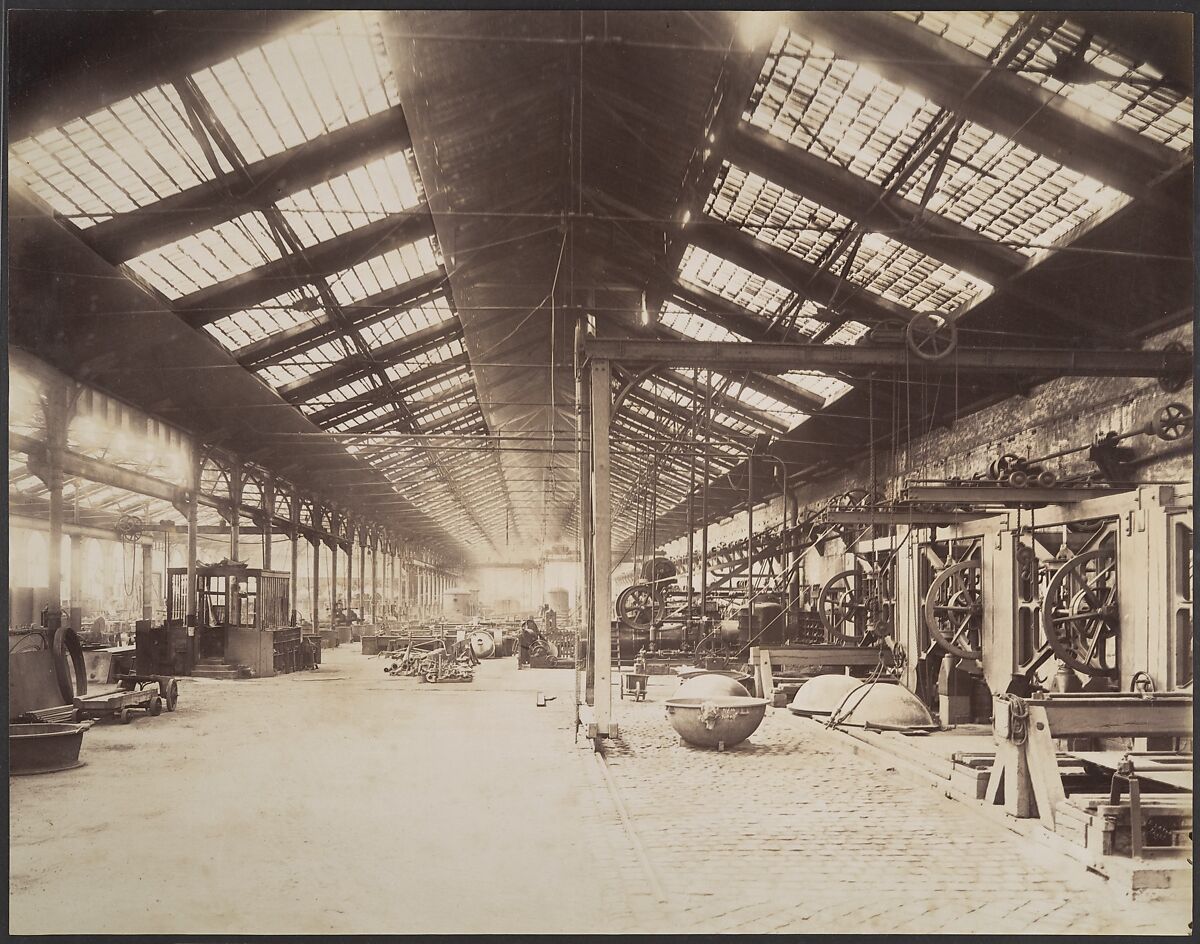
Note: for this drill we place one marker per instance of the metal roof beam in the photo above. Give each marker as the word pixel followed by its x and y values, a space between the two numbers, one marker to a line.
pixel 1000 100
pixel 333 255
pixel 730 355
pixel 332 377
pixel 795 274
pixel 361 314
pixel 264 182
pixel 859 199
pixel 353 406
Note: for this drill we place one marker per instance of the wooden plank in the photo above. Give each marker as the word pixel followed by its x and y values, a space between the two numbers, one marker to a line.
pixel 768 681
pixel 1110 716
pixel 1043 765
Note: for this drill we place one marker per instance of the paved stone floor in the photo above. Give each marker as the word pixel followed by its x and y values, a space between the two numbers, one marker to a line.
pixel 346 801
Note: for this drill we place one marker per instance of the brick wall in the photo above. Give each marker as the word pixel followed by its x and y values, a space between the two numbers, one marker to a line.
pixel 1069 411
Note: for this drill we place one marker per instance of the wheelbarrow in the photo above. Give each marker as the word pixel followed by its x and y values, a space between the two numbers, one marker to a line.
pixel 634 684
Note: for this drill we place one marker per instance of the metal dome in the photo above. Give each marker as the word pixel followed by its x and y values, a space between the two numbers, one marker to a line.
pixel 822 693
pixel 885 705
pixel 709 684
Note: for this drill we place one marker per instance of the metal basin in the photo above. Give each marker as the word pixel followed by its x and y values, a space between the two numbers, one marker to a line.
pixel 43 748
pixel 822 693
pixel 884 706
pixel 705 684
pixel 718 721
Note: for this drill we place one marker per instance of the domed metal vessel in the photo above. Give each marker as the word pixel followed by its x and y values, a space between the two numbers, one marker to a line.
pixel 821 694
pixel 887 706
pixel 711 683
pixel 718 721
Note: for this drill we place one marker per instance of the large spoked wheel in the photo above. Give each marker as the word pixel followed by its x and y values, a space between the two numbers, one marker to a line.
pixel 1172 422
pixel 842 606
pixel 954 610
pixel 931 337
pixel 638 607
pixel 1079 613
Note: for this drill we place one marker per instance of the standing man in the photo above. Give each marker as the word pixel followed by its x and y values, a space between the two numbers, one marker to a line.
pixel 529 635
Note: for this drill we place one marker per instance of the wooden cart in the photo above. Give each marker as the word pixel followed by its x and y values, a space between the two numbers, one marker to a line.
pixel 137 693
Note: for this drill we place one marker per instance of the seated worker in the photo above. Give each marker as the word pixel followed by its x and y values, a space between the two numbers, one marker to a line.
pixel 529 635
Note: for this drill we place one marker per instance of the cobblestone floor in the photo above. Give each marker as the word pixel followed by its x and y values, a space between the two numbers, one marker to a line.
pixel 788 832
pixel 346 801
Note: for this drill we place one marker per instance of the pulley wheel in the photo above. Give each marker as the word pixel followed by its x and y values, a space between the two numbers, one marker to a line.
pixel 1172 422
pixel 1001 468
pixel 931 337
pixel 841 604
pixel 1079 612
pixel 638 607
pixel 953 610
pixel 1174 382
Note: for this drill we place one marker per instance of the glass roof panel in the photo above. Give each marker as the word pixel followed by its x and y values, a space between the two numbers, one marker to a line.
pixel 437 355
pixel 353 388
pixel 346 202
pixel 846 113
pixel 436 311
pixel 128 155
pixel 1116 87
pixel 385 271
pixel 743 287
pixel 821 385
pixel 290 310
pixel 210 256
pixel 806 229
pixel 302 85
pixel 694 325
pixel 303 364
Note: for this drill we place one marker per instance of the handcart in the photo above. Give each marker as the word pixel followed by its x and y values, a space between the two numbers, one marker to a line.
pixel 148 693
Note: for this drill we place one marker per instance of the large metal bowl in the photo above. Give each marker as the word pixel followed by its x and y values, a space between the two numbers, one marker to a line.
pixel 43 748
pixel 718 721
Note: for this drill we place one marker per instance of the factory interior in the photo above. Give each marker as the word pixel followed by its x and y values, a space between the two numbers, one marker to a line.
pixel 599 471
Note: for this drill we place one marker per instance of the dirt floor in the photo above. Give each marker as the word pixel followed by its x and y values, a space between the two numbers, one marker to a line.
pixel 348 801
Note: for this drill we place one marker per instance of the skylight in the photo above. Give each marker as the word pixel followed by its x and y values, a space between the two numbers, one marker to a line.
pixel 385 271
pixel 742 287
pixel 290 310
pixel 302 364
pixel 400 325
pixel 128 155
pixel 213 255
pixel 846 113
pixel 806 229
pixel 1132 96
pixel 302 85
pixel 351 200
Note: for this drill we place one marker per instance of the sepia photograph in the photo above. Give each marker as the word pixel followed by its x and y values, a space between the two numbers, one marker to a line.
pixel 598 471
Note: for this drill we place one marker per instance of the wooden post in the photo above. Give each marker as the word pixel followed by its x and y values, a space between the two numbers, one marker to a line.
pixel 335 527
pixel 316 583
pixel 76 591
pixel 235 507
pixel 362 574
pixel 586 601
pixel 374 581
pixel 601 405
pixel 147 582
pixel 295 557
pixel 193 593
pixel 268 528
pixel 350 573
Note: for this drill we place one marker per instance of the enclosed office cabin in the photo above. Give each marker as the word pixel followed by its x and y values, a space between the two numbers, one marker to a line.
pixel 243 616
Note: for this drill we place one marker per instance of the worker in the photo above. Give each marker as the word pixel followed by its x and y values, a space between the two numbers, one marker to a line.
pixel 529 635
